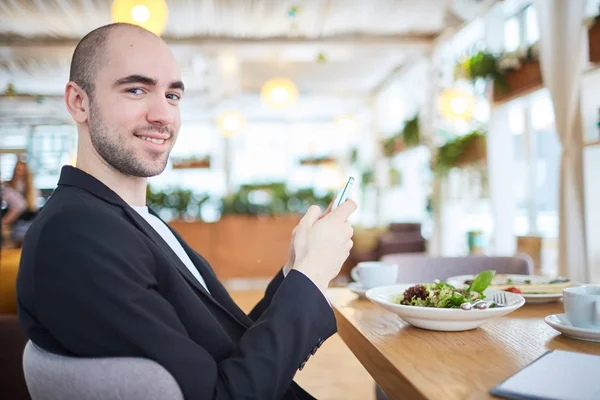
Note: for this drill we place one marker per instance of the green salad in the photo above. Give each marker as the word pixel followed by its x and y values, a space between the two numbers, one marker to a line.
pixel 443 295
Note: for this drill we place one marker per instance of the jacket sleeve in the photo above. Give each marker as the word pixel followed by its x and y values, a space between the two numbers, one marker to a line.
pixel 262 305
pixel 99 273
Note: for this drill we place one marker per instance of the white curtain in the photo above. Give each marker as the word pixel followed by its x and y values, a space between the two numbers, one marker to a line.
pixel 561 56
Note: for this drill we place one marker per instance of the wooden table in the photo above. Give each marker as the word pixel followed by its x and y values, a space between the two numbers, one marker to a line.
pixel 412 363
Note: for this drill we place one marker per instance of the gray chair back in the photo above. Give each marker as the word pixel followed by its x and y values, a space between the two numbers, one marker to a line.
pixel 417 268
pixel 50 376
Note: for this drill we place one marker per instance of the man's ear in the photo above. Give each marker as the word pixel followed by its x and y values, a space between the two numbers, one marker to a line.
pixel 77 102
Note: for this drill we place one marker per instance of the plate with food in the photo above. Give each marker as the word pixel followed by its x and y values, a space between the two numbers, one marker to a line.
pixel 533 288
pixel 439 306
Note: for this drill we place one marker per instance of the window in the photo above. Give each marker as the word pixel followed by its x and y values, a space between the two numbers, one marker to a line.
pixel 532 33
pixel 521 30
pixel 537 158
pixel 512 34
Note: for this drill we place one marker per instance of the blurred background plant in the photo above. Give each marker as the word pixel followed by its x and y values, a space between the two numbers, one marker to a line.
pixel 269 199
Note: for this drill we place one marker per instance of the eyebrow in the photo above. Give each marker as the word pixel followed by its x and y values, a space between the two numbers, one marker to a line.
pixel 145 80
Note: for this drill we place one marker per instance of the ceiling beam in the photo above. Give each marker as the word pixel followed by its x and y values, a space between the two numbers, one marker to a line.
pixel 405 40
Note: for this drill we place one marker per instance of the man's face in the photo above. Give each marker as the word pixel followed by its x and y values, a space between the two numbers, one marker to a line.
pixel 134 112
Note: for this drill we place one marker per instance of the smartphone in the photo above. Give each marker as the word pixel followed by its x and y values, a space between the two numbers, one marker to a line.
pixel 343 195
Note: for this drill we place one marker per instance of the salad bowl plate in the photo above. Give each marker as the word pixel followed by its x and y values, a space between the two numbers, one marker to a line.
pixel 441 319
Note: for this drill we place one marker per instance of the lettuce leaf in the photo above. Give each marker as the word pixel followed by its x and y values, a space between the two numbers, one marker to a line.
pixel 482 281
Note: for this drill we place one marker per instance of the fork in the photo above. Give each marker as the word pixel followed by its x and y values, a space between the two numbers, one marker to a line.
pixel 499 299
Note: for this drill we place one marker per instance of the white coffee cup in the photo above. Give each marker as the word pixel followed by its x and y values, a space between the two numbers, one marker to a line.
pixel 374 273
pixel 582 306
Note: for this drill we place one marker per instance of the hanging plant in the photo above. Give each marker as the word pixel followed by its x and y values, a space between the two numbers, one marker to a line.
pixel 410 134
pixel 322 160
pixel 408 137
pixel 488 66
pixel 367 177
pixel 393 145
pixel 191 162
pixel 459 152
pixel 481 65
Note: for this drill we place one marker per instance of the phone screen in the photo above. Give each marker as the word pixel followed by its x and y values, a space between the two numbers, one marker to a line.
pixel 343 195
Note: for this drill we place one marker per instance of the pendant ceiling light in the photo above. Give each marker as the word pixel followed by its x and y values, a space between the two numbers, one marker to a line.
pixel 457 104
pixel 230 123
pixel 149 14
pixel 279 93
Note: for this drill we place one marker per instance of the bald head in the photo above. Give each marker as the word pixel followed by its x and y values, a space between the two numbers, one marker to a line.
pixel 91 54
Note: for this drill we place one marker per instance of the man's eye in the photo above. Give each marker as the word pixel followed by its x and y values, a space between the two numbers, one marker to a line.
pixel 135 91
pixel 173 96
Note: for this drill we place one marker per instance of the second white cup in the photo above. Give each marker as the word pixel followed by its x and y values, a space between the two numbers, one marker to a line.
pixel 371 274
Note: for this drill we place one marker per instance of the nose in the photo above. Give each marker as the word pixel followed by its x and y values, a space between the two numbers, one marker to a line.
pixel 161 112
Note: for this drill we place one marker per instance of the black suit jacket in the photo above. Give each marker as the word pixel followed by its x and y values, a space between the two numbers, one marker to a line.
pixel 97 280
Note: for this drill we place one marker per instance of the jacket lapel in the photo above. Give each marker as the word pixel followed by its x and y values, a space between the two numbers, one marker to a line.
pixel 149 231
pixel 218 291
pixel 215 295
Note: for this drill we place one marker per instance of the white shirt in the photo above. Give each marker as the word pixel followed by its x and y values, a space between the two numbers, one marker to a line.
pixel 163 230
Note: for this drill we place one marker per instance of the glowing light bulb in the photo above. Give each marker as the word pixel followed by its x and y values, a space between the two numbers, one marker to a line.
pixel 140 13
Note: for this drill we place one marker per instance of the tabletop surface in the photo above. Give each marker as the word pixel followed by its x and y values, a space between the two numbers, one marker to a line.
pixel 413 363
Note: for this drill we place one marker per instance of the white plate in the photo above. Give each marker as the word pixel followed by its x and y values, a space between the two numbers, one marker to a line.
pixel 357 288
pixel 562 324
pixel 459 282
pixel 441 319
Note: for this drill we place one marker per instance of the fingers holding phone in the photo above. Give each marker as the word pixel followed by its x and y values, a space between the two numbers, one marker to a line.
pixel 323 241
pixel 343 195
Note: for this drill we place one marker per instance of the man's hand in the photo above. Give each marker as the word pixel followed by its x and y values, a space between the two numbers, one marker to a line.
pixel 322 243
pixel 292 254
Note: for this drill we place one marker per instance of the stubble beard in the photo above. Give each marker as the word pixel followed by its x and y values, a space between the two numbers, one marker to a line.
pixel 115 151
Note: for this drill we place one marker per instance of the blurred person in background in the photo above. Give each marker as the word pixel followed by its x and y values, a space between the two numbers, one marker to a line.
pixel 21 198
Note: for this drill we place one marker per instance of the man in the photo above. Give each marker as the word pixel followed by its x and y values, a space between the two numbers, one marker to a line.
pixel 101 275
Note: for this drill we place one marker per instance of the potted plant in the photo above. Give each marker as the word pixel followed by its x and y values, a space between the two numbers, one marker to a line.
pixel 393 145
pixel 317 160
pixel 513 74
pixel 179 203
pixel 191 162
pixel 411 135
pixel 408 137
pixel 461 151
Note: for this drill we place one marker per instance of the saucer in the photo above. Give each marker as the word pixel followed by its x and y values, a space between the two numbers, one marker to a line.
pixel 562 324
pixel 358 289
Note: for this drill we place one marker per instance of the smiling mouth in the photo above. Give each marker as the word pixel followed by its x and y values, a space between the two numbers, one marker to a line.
pixel 153 140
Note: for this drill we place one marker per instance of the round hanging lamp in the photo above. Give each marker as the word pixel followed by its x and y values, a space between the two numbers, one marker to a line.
pixel 279 93
pixel 148 14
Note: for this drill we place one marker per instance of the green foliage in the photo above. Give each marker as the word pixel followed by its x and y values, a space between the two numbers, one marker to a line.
pixel 483 65
pixel 482 281
pixel 410 134
pixel 389 145
pixel 261 199
pixel 272 199
pixel 182 202
pixel 449 154
pixel 367 177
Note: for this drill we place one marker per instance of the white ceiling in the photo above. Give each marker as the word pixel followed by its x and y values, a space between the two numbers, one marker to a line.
pixel 233 18
pixel 228 48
